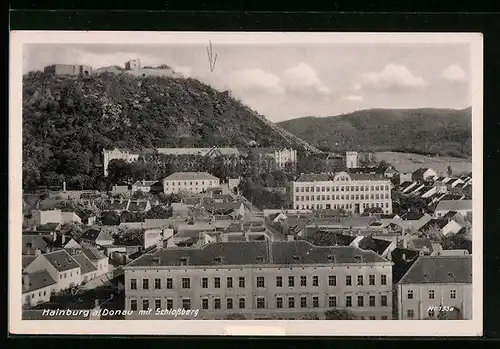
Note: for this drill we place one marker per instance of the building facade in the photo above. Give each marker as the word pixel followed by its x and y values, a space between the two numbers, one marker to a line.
pixel 191 182
pixel 68 69
pixel 260 280
pixel 434 285
pixel 118 154
pixel 348 191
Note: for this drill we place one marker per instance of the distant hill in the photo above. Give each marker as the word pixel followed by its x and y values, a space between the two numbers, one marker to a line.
pixel 67 121
pixel 426 131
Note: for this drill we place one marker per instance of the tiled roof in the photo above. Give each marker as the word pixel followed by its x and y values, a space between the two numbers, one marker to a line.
pixel 420 244
pixel 439 223
pixel 454 205
pixel 92 253
pixel 323 177
pixel 189 176
pixel 33 242
pixel 440 270
pixel 85 263
pixel 420 171
pixel 61 260
pixel 412 216
pixel 256 252
pixel 37 280
pixel 135 206
pixel 376 245
pixel 144 184
pixel 91 234
pixel 27 259
pixel 48 227
pixel 115 205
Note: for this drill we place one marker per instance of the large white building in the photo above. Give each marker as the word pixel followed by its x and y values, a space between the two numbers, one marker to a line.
pixel 192 182
pixel 260 280
pixel 353 192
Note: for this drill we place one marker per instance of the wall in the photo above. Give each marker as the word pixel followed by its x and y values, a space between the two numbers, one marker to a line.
pixel 68 278
pixel 269 292
pixel 192 186
pixel 152 236
pixel 41 295
pixel 44 217
pixel 421 302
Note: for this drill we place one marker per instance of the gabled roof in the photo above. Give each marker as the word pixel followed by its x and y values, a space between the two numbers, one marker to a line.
pixel 144 184
pixel 114 205
pixel 420 171
pixel 32 243
pixel 38 280
pixel 412 216
pixel 454 205
pixel 436 222
pixel 376 245
pixel 135 206
pixel 92 253
pixel 257 252
pixel 85 263
pixel 420 244
pixel 61 260
pixel 95 234
pixel 48 227
pixel 27 259
pixel 440 270
pixel 190 176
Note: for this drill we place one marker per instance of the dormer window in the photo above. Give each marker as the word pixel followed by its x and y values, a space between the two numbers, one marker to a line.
pixel 358 257
pixel 260 259
pixel 330 258
pixel 296 258
pixel 156 260
pixel 218 260
pixel 450 274
pixel 184 261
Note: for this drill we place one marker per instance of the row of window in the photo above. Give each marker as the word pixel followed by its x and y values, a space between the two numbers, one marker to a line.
pixel 341 197
pixel 260 282
pixel 343 206
pixel 410 313
pixel 341 188
pixel 190 183
pixel 65 275
pixel 431 294
pixel 261 302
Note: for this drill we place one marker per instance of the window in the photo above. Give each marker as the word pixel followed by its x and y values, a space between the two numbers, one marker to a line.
pixel 303 281
pixel 371 279
pixel 145 304
pixel 360 280
pixel 170 283
pixel 170 304
pixel 291 302
pixel 229 282
pixel 291 281
pixel 217 282
pixel 279 302
pixel 133 304
pixel 186 283
pixel 315 281
pixel 431 313
pixel 217 303
pixel 229 303
pixel 410 294
pixel 383 279
pixel 261 303
pixel 157 284
pixel 315 302
pixel 279 281
pixel 242 281
pixel 372 301
pixel 431 294
pixel 186 303
pixel 348 301
pixel 157 303
pixel 204 282
pixel 410 313
pixel 372 318
pixel 332 280
pixel 332 302
pixel 260 281
pixel 453 294
pixel 133 284
pixel 145 284
pixel 383 300
pixel 361 301
pixel 348 280
pixel 383 317
pixel 204 303
pixel 242 303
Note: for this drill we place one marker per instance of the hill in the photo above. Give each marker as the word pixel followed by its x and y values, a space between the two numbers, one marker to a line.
pixel 422 131
pixel 67 121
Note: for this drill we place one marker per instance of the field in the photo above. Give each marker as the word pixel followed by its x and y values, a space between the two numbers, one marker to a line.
pixel 407 162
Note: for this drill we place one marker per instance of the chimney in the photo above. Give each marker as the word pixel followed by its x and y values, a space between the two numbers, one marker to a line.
pixel 143 182
pixel 63 239
pixel 26 280
pixel 64 186
pixel 38 252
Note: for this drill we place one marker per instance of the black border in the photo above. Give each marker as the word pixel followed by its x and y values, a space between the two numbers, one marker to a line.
pixel 38 18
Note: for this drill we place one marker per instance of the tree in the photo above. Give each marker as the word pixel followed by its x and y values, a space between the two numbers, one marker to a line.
pixel 456 241
pixel 449 171
pixel 110 218
pixel 454 314
pixel 71 229
pixel 119 171
pixel 339 314
pixel 158 212
pixel 128 216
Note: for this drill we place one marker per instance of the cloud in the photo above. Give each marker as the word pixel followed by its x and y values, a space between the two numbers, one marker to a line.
pixel 392 76
pixel 255 80
pixel 454 73
pixel 303 79
pixel 353 98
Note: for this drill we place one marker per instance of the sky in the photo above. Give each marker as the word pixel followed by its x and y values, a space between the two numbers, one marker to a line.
pixel 286 81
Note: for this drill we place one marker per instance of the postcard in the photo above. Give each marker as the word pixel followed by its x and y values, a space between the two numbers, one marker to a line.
pixel 252 183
